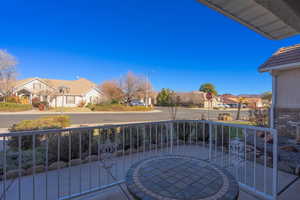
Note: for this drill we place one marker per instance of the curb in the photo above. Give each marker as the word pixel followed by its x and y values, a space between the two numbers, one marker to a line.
pixel 58 113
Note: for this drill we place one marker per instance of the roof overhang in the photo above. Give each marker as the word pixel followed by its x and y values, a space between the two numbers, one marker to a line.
pixel 274 19
pixel 281 67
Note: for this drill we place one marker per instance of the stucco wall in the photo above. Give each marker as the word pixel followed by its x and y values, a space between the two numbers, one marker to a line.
pixel 93 96
pixel 60 101
pixel 288 89
pixel 287 106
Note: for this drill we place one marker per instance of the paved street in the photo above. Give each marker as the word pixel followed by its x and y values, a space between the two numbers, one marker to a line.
pixel 8 120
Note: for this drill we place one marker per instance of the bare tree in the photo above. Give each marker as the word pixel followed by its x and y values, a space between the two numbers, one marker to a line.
pixel 112 91
pixel 131 86
pixel 173 103
pixel 7 73
pixel 48 91
pixel 241 101
pixel 145 89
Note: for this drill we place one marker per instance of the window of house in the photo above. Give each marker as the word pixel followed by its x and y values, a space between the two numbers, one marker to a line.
pixel 37 86
pixel 70 99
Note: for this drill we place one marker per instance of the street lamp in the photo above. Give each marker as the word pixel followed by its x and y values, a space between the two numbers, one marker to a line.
pixel 63 90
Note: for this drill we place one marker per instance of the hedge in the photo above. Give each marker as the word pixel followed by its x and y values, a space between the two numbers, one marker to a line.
pixel 14 107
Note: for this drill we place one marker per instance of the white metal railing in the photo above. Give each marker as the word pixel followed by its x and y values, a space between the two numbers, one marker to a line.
pixel 66 163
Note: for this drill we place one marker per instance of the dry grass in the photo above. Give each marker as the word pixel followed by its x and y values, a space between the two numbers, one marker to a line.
pixel 14 107
pixel 42 123
pixel 120 108
pixel 71 109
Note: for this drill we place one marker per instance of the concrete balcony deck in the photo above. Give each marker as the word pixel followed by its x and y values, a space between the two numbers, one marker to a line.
pixel 91 176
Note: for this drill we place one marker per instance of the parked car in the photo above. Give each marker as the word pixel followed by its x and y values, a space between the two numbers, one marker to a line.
pixel 137 103
pixel 220 105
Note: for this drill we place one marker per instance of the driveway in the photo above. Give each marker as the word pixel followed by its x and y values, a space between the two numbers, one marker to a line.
pixel 8 120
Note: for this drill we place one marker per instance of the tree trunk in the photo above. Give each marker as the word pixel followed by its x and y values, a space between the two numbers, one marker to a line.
pixel 239 111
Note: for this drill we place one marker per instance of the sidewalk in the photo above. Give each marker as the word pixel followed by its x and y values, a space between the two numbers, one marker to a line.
pixel 35 112
pixel 221 109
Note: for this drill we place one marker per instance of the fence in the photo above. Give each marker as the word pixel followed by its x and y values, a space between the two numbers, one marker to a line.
pixel 66 163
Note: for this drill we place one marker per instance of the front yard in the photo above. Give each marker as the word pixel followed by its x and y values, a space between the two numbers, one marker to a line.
pixel 17 107
pixel 14 107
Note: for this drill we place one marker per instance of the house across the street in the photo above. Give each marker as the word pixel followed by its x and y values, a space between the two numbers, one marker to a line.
pixel 198 98
pixel 58 93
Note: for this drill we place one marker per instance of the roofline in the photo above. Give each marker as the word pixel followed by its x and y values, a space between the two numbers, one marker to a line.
pixel 33 79
pixel 281 67
pixel 222 11
pixel 26 82
pixel 94 88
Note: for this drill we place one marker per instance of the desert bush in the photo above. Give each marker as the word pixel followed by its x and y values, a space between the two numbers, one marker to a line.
pixel 71 140
pixel 43 123
pixel 41 105
pixel 225 117
pixel 52 122
pixel 81 104
pixel 13 99
pixel 14 107
pixel 259 117
pixel 90 106
pixel 12 159
pixel 35 102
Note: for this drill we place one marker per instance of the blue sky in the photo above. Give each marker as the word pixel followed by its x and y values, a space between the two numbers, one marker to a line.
pixel 180 43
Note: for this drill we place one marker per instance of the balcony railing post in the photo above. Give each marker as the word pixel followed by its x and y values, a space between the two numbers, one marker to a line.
pixel 275 158
pixel 171 135
pixel 210 141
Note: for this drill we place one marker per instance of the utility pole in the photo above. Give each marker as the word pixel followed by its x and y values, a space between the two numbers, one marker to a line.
pixel 63 90
pixel 148 88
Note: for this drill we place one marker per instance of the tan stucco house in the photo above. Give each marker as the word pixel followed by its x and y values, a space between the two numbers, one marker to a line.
pixel 76 91
pixel 284 66
pixel 198 98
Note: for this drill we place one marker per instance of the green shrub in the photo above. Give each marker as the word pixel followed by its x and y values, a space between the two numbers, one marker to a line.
pixel 90 106
pixel 14 107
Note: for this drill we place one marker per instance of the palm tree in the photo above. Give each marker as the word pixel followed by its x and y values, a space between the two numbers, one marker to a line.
pixel 241 100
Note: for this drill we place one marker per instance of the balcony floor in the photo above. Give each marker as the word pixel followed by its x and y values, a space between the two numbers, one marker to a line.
pixel 292 193
pixel 90 175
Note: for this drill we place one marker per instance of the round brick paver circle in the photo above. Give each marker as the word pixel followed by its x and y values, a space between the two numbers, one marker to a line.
pixel 180 177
